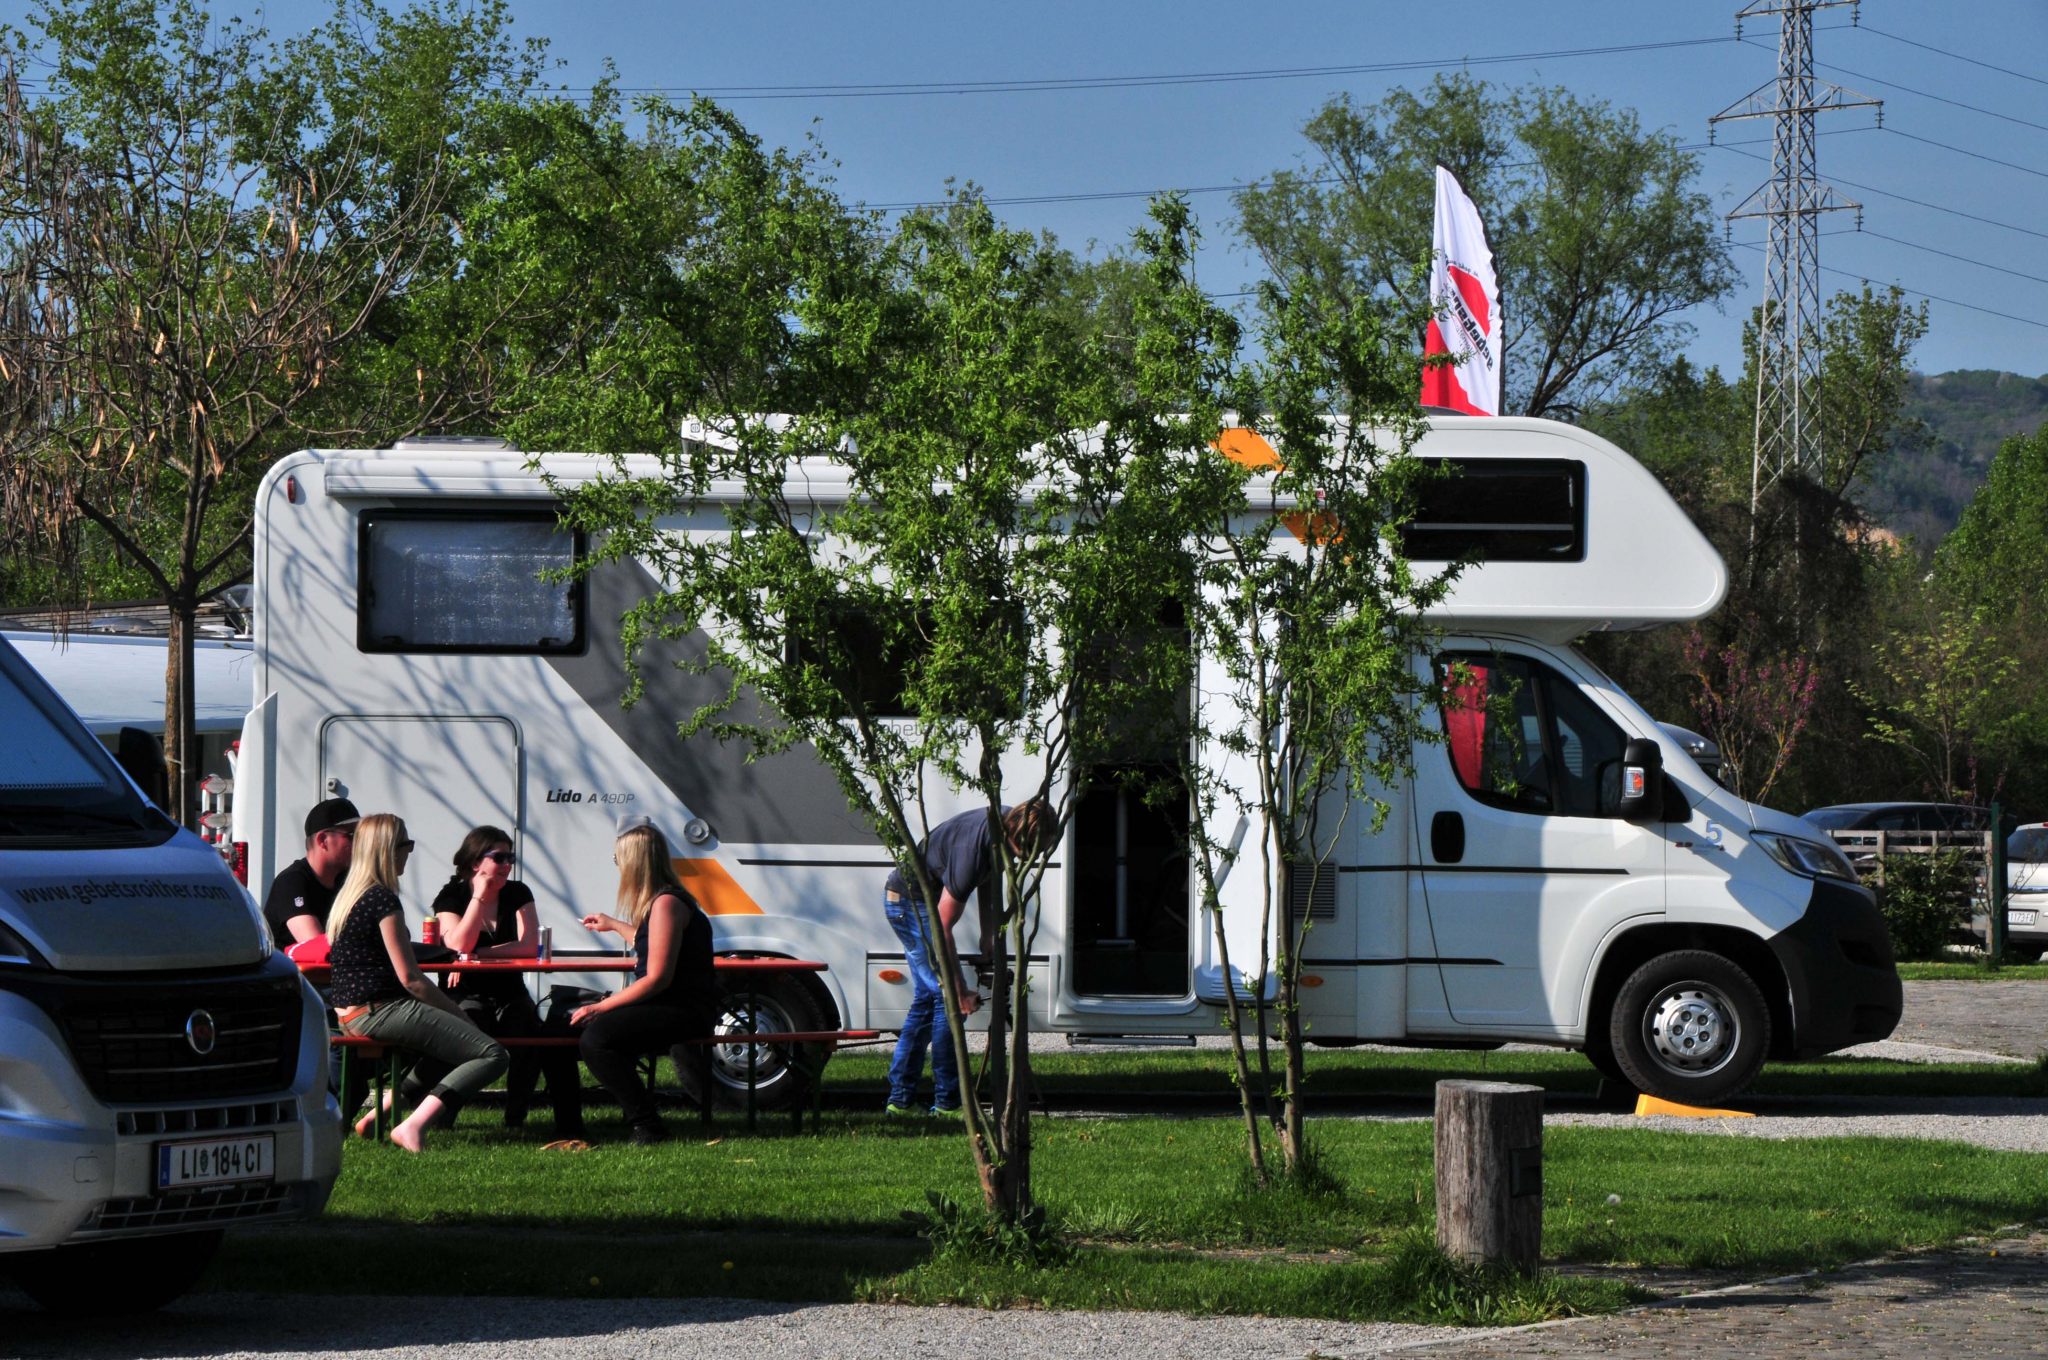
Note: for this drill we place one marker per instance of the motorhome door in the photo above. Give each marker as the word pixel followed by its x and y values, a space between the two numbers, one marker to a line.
pixel 1518 838
pixel 442 775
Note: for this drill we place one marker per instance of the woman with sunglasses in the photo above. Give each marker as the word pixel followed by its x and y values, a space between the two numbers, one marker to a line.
pixel 486 914
pixel 379 992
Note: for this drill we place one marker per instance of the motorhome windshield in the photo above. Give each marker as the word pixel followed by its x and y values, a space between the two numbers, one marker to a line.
pixel 58 786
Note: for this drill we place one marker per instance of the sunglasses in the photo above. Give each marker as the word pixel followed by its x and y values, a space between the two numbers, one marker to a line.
pixel 404 847
pixel 505 857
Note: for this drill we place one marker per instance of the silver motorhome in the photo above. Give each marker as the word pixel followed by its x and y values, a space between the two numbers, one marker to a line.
pixel 163 1073
pixel 410 655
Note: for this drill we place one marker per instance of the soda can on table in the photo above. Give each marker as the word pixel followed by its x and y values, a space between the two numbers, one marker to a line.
pixel 430 930
pixel 547 943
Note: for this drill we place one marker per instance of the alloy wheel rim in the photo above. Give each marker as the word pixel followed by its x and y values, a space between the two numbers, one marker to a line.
pixel 1691 1030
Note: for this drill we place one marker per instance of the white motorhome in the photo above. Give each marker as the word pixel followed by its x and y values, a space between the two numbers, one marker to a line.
pixel 163 1073
pixel 410 656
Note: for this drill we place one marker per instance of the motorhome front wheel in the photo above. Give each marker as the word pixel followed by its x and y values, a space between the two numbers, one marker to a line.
pixel 122 1277
pixel 1690 1026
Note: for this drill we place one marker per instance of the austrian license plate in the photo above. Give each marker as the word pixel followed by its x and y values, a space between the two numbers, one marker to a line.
pixel 216 1161
pixel 2019 918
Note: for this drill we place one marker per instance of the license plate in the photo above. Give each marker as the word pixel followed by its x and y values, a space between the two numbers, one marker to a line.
pixel 216 1161
pixel 2019 918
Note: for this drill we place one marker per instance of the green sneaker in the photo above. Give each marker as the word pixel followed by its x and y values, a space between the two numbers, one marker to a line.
pixel 898 1111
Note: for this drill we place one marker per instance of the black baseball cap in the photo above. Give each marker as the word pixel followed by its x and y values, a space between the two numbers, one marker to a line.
pixel 336 814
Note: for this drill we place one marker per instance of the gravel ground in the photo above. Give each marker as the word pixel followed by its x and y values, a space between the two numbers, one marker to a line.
pixel 1994 1305
pixel 219 1326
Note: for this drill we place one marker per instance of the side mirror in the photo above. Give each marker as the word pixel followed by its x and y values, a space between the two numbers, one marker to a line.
pixel 1642 782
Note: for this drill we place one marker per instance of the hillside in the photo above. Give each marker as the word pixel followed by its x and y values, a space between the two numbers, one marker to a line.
pixel 1920 491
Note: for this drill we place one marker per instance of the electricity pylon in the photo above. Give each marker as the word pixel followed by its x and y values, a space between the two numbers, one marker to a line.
pixel 1788 351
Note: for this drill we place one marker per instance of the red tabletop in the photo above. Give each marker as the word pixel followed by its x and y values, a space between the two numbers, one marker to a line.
pixel 595 963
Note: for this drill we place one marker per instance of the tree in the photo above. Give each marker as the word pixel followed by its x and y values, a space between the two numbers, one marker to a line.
pixel 952 626
pixel 1305 616
pixel 1808 572
pixel 1988 566
pixel 1939 698
pixel 195 234
pixel 1600 239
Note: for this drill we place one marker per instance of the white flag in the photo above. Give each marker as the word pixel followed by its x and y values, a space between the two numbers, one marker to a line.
pixel 1464 297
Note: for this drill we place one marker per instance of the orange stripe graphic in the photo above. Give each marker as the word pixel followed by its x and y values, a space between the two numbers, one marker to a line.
pixel 715 889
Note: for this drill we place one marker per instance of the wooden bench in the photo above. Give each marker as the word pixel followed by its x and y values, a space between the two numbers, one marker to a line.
pixel 386 1056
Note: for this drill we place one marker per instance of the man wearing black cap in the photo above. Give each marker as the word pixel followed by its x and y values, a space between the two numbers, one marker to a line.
pixel 301 894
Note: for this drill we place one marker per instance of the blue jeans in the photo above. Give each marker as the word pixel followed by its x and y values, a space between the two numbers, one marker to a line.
pixel 925 1026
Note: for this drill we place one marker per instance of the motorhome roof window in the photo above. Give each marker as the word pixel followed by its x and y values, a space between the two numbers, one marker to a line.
pixel 1500 510
pixel 467 581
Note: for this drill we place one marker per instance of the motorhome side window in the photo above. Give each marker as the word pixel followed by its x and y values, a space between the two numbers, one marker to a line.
pixel 874 657
pixel 455 581
pixel 1499 510
pixel 1521 736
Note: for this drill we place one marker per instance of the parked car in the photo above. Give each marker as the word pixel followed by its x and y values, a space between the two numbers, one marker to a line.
pixel 1899 817
pixel 2026 891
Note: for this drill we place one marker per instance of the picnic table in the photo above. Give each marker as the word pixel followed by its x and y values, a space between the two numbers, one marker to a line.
pixel 452 969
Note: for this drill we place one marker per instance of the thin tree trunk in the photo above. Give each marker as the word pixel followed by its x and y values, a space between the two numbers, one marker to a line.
pixel 1255 1147
pixel 181 719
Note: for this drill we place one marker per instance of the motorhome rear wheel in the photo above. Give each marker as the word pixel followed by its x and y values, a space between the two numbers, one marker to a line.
pixel 777 1005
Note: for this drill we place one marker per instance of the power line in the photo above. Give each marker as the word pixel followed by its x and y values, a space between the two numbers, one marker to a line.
pixel 1951 255
pixel 1903 198
pixel 1923 94
pixel 1960 151
pixel 1319 182
pixel 1055 84
pixel 1915 292
pixel 1943 51
pixel 1937 98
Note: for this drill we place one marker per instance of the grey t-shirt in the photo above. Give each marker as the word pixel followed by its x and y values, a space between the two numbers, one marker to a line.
pixel 958 854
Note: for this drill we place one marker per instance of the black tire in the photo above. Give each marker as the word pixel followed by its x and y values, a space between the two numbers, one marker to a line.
pixel 1600 1053
pixel 779 1003
pixel 1690 1026
pixel 119 1278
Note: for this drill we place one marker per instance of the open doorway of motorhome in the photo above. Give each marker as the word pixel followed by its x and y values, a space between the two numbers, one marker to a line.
pixel 1128 934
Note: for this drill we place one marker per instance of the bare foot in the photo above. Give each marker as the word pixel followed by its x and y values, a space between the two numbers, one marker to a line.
pixel 366 1127
pixel 408 1137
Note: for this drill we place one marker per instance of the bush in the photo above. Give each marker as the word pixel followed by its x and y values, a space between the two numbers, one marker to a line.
pixel 1926 900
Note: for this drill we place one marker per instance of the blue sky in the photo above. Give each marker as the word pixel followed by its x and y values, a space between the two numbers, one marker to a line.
pixel 1038 152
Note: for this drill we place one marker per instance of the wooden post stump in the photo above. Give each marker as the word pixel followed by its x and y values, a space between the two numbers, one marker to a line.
pixel 1489 1172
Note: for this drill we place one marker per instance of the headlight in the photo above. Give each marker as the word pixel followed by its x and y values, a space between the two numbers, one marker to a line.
pixel 15 951
pixel 1809 859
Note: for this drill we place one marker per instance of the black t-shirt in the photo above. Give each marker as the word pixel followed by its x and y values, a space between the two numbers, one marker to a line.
pixel 362 965
pixel 454 899
pixel 695 980
pixel 296 892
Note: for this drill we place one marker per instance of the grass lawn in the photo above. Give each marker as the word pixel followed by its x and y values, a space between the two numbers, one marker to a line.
pixel 1154 1211
pixel 1971 970
pixel 1414 1073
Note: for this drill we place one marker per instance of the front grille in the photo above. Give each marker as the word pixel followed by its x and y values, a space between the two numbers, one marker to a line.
pixel 192 1208
pixel 129 1039
pixel 208 1118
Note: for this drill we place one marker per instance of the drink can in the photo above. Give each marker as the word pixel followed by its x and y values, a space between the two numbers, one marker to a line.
pixel 430 930
pixel 547 943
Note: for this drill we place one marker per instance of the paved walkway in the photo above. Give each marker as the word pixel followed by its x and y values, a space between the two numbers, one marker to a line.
pixel 1989 1299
